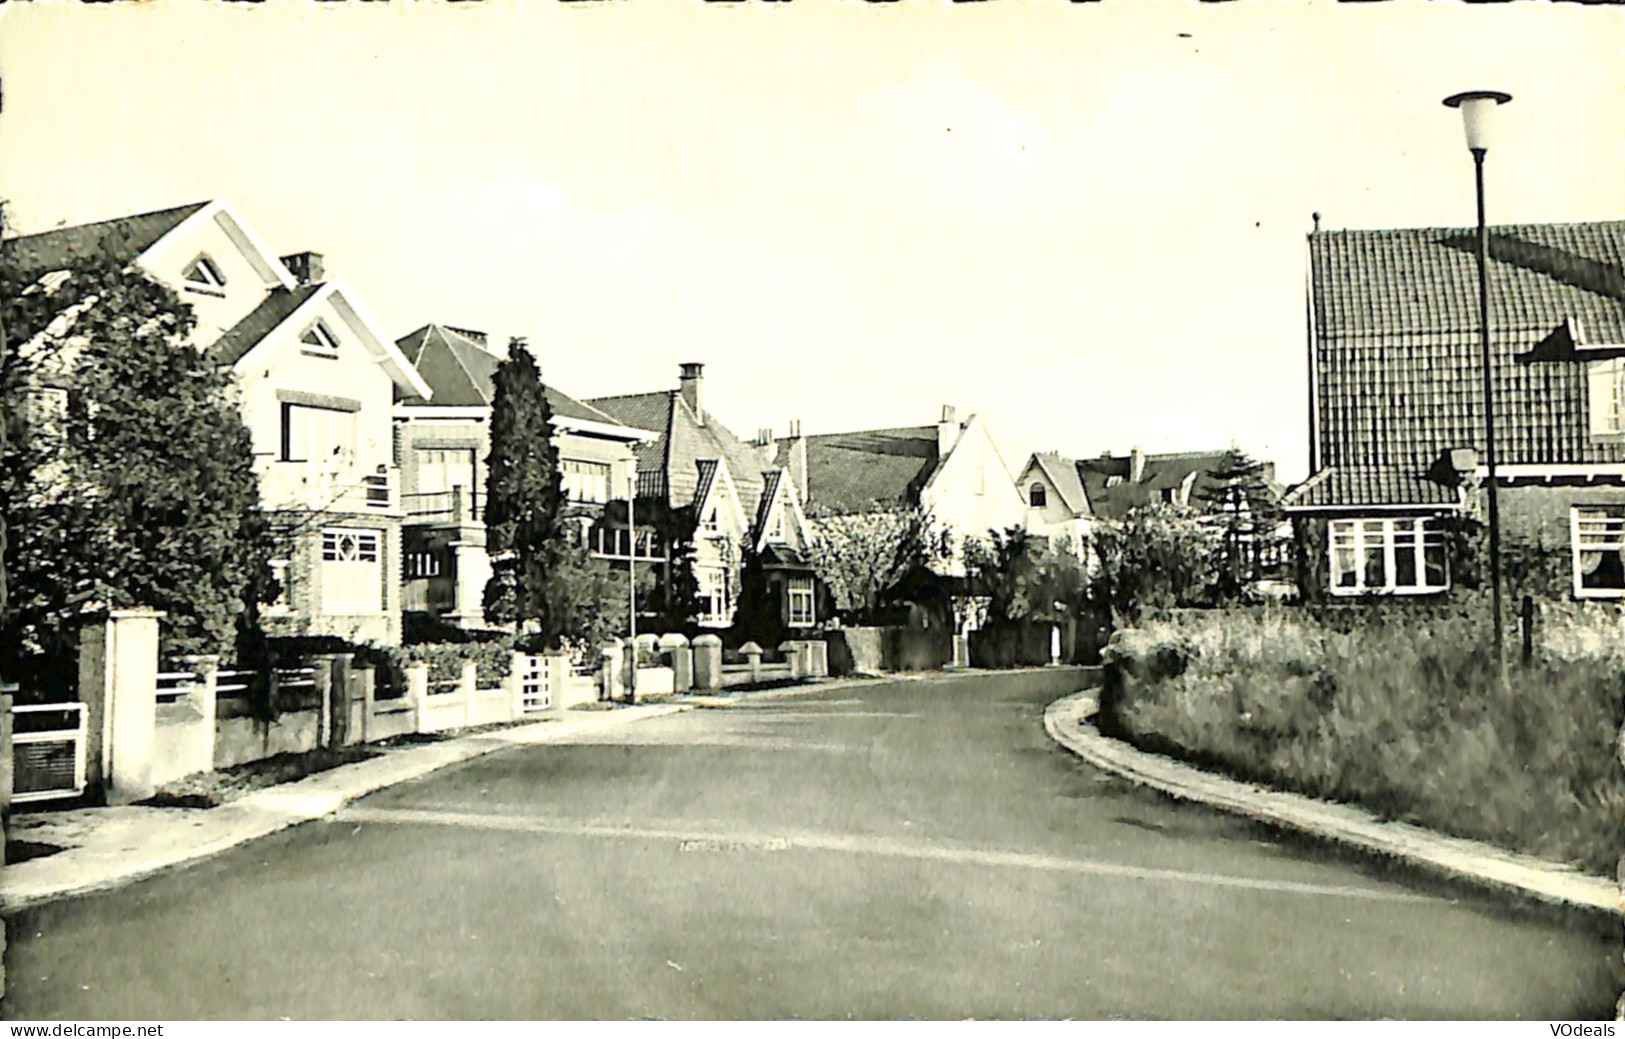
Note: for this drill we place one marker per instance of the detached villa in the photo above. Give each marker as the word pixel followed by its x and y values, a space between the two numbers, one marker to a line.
pixel 1397 408
pixel 317 383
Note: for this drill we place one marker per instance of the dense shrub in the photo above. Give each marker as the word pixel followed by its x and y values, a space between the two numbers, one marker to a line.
pixel 1401 713
pixel 494 660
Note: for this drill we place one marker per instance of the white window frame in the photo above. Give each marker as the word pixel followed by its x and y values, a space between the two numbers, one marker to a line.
pixel 336 436
pixel 713 523
pixel 801 612
pixel 319 340
pixel 714 589
pixel 204 276
pixel 340 569
pixel 1038 495
pixel 1604 531
pixel 283 603
pixel 585 481
pixel 1356 535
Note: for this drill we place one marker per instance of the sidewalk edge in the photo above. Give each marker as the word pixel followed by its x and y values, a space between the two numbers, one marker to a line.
pixel 1069 722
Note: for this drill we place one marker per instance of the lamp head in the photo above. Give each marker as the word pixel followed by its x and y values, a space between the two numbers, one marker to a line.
pixel 1476 107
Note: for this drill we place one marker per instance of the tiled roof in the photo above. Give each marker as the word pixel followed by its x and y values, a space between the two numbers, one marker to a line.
pixel 707 470
pixel 461 371
pixel 121 239
pixel 1354 486
pixel 851 472
pixel 275 308
pixel 684 441
pixel 1063 473
pixel 1112 494
pixel 1397 362
pixel 770 493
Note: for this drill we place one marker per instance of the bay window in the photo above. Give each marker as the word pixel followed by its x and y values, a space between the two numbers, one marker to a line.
pixel 1403 556
pixel 800 593
pixel 714 598
pixel 1598 548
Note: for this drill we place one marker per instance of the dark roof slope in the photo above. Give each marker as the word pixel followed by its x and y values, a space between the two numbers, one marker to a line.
pixel 1063 473
pixel 685 441
pixel 462 371
pixel 1355 486
pixel 1112 494
pixel 264 319
pixel 121 239
pixel 1397 364
pixel 853 472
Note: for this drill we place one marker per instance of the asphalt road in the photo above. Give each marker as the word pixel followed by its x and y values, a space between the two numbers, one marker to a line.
pixel 906 849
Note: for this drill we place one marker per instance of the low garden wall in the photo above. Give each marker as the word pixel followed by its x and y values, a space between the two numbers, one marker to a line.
pixel 244 738
pixel 1402 713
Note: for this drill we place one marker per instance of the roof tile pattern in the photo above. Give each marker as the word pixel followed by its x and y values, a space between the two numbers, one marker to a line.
pixel 685 441
pixel 853 472
pixel 462 373
pixel 121 239
pixel 278 305
pixel 1355 486
pixel 1112 494
pixel 1397 357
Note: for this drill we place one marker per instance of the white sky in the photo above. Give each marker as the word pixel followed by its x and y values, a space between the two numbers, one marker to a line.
pixel 1067 218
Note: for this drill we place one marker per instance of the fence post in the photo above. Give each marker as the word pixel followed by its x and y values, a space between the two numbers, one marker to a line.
pixel 129 684
pixel 609 671
pixel 753 657
pixel 5 804
pixel 707 662
pixel 1528 628
pixel 417 692
pixel 792 656
pixel 468 686
pixel 682 661
pixel 516 686
pixel 202 696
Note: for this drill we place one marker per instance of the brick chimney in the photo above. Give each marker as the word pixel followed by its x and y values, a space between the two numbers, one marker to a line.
pixel 947 431
pixel 690 380
pixel 1136 464
pixel 306 268
pixel 796 460
pixel 766 449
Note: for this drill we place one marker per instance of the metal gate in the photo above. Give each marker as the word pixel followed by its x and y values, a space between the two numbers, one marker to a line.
pixel 48 751
pixel 534 693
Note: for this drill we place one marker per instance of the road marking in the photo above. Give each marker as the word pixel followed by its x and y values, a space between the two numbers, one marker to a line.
pixel 858 845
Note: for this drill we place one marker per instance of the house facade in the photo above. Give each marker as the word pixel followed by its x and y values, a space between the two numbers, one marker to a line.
pixel 1397 439
pixel 730 494
pixel 316 381
pixel 442 443
pixel 953 469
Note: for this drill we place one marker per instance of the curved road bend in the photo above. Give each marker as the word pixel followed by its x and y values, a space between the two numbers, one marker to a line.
pixel 912 848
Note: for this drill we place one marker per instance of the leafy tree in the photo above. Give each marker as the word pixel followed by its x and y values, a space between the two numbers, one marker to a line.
pixel 1157 557
pixel 861 556
pixel 1238 495
pixel 590 600
pixel 675 598
pixel 1025 577
pixel 127 475
pixel 524 503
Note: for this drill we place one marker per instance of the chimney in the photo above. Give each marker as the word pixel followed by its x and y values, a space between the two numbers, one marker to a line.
pixel 306 268
pixel 1136 464
pixel 518 343
pixel 947 431
pixel 691 376
pixel 796 460
pixel 766 450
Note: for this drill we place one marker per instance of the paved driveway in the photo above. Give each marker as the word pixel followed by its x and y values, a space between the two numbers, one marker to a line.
pixel 903 849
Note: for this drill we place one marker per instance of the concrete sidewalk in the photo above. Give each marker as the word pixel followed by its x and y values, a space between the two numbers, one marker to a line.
pixel 1070 723
pixel 107 847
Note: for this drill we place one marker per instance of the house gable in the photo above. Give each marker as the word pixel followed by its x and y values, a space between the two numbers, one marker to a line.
pixel 781 520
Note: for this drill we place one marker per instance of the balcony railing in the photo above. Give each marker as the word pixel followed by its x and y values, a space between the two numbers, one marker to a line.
pixel 615 543
pixel 454 506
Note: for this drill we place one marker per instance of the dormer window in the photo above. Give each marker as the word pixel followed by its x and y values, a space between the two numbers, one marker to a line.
pixel 203 275
pixel 775 529
pixel 319 341
pixel 1037 496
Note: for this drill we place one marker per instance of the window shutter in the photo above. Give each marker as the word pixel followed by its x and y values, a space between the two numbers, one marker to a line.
pixel 1600 379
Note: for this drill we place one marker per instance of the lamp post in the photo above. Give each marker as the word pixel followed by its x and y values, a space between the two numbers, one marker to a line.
pixel 1477 108
pixel 632 585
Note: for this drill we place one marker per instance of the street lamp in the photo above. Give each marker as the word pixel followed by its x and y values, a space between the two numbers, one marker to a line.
pixel 1477 109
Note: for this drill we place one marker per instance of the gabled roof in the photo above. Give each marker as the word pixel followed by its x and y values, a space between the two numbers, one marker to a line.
pixel 684 441
pixel 1112 494
pixel 770 494
pixel 277 307
pixel 121 239
pixel 1062 473
pixel 1396 337
pixel 461 369
pixel 853 472
pixel 1364 486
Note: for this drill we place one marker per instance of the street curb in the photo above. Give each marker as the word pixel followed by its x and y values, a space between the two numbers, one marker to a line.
pixel 276 808
pixel 1069 722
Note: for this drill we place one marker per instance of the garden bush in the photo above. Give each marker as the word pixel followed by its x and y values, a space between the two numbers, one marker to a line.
pixel 1402 713
pixel 494 659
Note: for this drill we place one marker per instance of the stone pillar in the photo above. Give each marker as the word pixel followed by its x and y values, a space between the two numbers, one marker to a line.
pixel 468 686
pixel 753 657
pixel 556 665
pixel 517 663
pixel 202 698
pixel 816 654
pixel 707 662
pixel 792 656
pixel 118 680
pixel 417 693
pixel 1054 645
pixel 676 649
pixel 609 672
